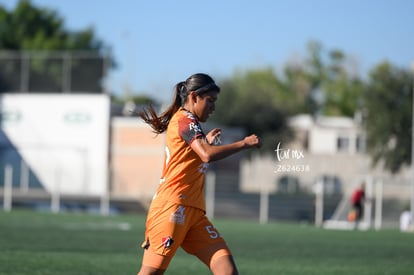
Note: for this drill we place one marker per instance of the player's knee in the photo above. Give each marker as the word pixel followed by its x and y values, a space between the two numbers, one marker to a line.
pixel 226 271
pixel 224 266
pixel 145 270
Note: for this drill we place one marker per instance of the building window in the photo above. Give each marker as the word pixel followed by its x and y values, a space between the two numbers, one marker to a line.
pixel 288 185
pixel 332 184
pixel 342 144
pixel 360 144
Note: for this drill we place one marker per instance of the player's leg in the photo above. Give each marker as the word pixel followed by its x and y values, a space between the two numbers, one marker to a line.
pixel 164 234
pixel 146 270
pixel 358 215
pixel 204 241
pixel 219 259
pixel 158 260
pixel 224 265
pixel 361 211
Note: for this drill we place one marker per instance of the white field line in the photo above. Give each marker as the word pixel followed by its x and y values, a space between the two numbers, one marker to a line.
pixel 123 226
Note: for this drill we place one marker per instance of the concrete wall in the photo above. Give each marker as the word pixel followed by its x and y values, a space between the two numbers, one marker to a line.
pixel 137 156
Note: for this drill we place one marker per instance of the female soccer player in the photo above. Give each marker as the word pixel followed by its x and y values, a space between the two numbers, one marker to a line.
pixel 177 213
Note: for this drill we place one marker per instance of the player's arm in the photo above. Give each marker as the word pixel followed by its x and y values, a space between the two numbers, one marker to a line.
pixel 208 152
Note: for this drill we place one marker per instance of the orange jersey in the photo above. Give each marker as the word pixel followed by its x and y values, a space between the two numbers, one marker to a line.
pixel 182 180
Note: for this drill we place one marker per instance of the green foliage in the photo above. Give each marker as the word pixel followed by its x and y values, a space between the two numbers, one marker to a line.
pixel 30 28
pixel 143 100
pixel 139 99
pixel 251 101
pixel 261 100
pixel 330 74
pixel 388 103
pixel 325 83
pixel 298 85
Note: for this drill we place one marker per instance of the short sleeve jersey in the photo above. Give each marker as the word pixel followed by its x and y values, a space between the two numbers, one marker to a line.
pixel 358 196
pixel 183 174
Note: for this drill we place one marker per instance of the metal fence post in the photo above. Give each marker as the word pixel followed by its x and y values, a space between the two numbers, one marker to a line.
pixel 378 204
pixel 24 176
pixel 319 190
pixel 55 200
pixel 264 204
pixel 8 186
pixel 210 193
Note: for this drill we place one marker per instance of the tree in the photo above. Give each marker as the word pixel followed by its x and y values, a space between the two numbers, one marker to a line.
pixel 296 83
pixel 388 103
pixel 343 88
pixel 29 28
pixel 323 83
pixel 260 100
pixel 251 101
pixel 334 88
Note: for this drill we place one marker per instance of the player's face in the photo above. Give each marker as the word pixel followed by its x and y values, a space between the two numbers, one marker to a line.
pixel 206 104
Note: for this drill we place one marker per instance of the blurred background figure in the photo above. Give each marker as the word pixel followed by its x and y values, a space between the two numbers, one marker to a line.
pixel 357 200
pixel 405 221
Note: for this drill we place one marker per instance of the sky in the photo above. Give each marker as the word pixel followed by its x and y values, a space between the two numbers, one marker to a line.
pixel 159 43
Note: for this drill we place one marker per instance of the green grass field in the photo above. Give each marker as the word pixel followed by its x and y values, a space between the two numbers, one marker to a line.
pixel 45 243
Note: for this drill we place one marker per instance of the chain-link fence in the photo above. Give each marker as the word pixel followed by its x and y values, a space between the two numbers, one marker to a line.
pixel 53 71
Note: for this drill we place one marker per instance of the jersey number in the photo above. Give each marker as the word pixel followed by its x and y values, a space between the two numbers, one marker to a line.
pixel 212 232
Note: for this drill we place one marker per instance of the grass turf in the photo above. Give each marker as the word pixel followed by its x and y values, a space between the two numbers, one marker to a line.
pixel 45 243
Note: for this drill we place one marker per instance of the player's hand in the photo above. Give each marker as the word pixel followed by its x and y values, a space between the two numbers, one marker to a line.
pixel 252 141
pixel 213 137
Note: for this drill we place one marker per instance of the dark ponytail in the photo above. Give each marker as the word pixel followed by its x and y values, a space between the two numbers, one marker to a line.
pixel 199 83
